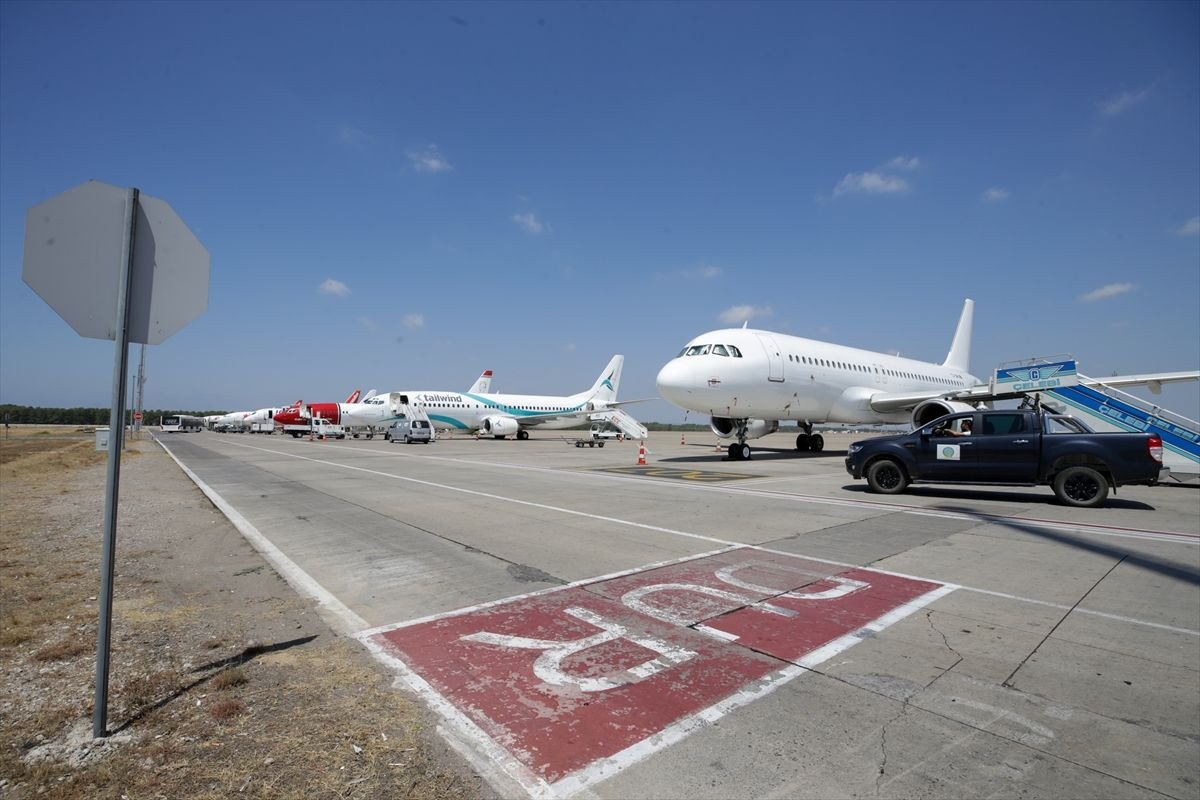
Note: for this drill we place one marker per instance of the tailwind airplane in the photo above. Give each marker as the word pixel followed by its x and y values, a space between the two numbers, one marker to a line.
pixel 501 415
pixel 748 380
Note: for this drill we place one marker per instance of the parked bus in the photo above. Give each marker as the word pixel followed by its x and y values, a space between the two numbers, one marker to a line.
pixel 181 423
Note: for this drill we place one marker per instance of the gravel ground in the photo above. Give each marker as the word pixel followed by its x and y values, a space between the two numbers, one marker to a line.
pixel 223 681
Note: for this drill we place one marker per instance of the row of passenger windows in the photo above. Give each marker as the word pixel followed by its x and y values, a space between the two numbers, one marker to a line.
pixel 822 362
pixel 714 349
pixel 730 350
pixel 476 405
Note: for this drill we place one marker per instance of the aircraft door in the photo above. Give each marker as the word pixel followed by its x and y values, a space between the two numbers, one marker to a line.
pixel 774 357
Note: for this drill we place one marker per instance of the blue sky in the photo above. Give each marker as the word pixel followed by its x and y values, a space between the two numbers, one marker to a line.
pixel 402 195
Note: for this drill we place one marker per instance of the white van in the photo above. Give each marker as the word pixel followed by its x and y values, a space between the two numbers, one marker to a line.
pixel 409 430
pixel 327 430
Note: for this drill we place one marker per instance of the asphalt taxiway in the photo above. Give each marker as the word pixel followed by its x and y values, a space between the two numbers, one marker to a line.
pixel 700 627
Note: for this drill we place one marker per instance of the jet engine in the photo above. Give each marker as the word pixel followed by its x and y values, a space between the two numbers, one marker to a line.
pixel 929 410
pixel 499 426
pixel 755 428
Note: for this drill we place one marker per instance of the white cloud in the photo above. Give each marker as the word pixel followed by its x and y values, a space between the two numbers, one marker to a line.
pixel 870 183
pixel 336 288
pixel 907 163
pixel 736 314
pixel 1189 228
pixel 368 323
pixel 429 160
pixel 530 223
pixel 994 194
pixel 1123 101
pixel 1111 290
pixel 353 137
pixel 569 347
pixel 414 320
pixel 704 272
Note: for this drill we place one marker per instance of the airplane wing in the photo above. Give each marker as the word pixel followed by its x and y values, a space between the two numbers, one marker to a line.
pixel 1153 380
pixel 884 402
pixel 887 402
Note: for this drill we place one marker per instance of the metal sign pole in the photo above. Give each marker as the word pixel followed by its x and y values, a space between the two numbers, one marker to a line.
pixel 116 442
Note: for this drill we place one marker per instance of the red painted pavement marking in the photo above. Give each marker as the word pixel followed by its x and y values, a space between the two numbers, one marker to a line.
pixel 557 724
pixel 795 625
pixel 563 679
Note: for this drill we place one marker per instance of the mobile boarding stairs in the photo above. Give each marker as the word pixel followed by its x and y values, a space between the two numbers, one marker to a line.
pixel 1058 386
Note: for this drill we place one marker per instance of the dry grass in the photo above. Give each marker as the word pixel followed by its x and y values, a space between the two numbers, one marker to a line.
pixel 227 679
pixel 61 651
pixel 226 709
pixel 198 713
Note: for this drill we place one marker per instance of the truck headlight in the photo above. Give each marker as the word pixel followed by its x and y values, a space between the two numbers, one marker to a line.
pixel 854 448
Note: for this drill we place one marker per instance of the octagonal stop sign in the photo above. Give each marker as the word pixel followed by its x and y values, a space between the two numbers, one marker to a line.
pixel 73 261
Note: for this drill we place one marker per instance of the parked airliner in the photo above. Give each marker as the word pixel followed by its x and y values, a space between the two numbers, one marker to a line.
pixel 502 415
pixel 748 380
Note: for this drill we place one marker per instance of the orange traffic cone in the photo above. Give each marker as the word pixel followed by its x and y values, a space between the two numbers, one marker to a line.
pixel 681 441
pixel 642 454
pixel 718 448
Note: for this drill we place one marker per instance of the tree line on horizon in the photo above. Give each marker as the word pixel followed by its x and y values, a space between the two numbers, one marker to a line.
pixel 37 415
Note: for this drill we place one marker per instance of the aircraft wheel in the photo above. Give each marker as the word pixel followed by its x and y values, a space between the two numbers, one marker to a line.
pixel 522 435
pixel 803 442
pixel 817 442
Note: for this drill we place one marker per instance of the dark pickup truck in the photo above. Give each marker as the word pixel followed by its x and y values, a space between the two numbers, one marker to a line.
pixel 1015 448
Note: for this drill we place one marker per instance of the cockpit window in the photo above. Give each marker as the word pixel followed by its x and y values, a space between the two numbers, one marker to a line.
pixel 719 350
pixel 697 350
pixel 733 351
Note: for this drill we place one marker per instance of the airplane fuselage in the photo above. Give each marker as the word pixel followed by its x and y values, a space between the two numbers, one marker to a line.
pixel 468 410
pixel 741 373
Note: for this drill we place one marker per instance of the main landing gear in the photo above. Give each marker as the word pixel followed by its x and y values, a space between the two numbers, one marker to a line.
pixel 739 450
pixel 809 440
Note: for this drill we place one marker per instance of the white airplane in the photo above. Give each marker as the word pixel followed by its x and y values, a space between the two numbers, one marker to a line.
pixel 380 410
pixel 748 380
pixel 501 415
pixel 234 419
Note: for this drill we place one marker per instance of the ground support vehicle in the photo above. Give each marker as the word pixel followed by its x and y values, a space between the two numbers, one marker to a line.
pixel 320 429
pixel 409 429
pixel 267 427
pixel 598 434
pixel 1015 448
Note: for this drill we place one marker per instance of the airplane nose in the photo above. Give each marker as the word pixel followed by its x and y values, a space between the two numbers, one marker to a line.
pixel 672 382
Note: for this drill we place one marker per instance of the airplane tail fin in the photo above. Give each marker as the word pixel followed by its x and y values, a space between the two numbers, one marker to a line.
pixel 483 384
pixel 959 356
pixel 353 398
pixel 609 381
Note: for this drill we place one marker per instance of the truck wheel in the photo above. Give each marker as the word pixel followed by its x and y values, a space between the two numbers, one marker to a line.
pixel 817 442
pixel 1082 487
pixel 886 477
pixel 601 444
pixel 408 440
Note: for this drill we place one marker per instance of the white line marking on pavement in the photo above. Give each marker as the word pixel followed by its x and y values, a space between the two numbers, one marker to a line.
pixel 701 537
pixel 746 487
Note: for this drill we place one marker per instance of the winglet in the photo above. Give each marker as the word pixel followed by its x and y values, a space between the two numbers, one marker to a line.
pixel 959 356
